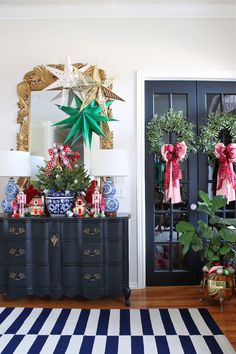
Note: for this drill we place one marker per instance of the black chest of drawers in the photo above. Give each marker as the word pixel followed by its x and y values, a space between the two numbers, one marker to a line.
pixel 64 256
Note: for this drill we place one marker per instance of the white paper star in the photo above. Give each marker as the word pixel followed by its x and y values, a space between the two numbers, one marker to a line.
pixel 67 79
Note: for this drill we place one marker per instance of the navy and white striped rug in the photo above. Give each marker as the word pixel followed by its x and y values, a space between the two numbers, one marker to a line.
pixel 126 331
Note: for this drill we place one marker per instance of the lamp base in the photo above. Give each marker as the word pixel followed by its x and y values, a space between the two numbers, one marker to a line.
pixel 111 203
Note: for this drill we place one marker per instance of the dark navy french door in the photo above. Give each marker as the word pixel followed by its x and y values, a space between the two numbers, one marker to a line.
pixel 165 264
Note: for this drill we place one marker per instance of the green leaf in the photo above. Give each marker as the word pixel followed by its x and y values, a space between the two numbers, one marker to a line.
pixel 183 226
pixel 230 222
pixel 185 240
pixel 205 230
pixel 211 256
pixel 218 202
pixel 204 197
pixel 197 243
pixel 204 209
pixel 225 249
pixel 214 220
pixel 228 235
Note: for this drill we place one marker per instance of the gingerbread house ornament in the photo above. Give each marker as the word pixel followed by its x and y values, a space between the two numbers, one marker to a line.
pixel 36 206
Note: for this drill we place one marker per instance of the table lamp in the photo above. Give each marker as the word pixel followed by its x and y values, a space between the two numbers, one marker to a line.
pixel 13 164
pixel 109 163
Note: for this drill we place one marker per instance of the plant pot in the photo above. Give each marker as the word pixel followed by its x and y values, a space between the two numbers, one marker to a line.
pixel 218 287
pixel 58 203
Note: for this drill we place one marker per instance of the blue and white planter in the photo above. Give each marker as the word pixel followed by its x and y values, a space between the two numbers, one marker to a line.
pixel 58 203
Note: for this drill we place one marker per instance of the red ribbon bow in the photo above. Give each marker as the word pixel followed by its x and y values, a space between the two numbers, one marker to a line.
pixel 61 155
pixel 172 154
pixel 226 156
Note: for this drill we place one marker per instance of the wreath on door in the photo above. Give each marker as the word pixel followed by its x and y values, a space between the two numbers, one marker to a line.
pixel 170 122
pixel 221 156
pixel 209 135
pixel 171 155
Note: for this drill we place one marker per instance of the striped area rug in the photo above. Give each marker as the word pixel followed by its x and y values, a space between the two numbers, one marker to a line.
pixel 126 331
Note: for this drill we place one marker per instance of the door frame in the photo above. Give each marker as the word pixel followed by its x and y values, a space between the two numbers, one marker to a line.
pixel 140 148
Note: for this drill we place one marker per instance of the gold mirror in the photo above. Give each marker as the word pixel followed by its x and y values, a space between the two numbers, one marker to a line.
pixel 36 80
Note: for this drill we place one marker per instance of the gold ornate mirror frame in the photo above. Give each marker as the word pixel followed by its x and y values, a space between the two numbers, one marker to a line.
pixel 36 80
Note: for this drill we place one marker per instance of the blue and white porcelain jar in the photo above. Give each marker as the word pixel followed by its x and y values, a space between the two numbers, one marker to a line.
pixel 111 203
pixel 58 203
pixel 11 191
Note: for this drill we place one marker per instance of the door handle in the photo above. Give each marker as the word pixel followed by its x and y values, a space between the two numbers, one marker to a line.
pixel 193 206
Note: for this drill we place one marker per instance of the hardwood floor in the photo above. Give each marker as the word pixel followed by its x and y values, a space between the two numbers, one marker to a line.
pixel 160 297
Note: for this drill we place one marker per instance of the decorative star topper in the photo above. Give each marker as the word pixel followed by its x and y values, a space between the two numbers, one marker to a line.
pixel 67 79
pixel 95 88
pixel 83 122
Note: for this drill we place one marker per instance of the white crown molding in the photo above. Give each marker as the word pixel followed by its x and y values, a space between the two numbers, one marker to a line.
pixel 118 10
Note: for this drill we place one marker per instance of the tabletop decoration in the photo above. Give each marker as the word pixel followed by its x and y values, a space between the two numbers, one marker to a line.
pixel 83 122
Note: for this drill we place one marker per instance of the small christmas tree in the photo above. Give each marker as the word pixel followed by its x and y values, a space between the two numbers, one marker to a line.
pixel 62 172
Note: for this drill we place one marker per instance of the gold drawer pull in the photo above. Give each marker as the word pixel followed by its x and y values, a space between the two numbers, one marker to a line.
pixel 14 276
pixel 16 231
pixel 92 231
pixel 92 277
pixel 92 253
pixel 17 253
pixel 54 240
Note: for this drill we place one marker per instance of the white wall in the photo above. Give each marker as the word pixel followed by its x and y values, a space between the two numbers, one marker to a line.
pixel 121 47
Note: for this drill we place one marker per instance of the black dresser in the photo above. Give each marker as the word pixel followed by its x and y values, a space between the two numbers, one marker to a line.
pixel 60 256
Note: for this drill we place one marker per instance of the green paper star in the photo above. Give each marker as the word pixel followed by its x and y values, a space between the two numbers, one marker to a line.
pixel 83 123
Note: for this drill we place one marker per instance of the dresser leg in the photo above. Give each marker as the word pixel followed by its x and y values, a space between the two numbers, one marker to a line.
pixel 127 293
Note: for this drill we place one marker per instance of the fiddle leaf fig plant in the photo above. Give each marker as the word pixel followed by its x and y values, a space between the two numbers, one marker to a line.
pixel 216 239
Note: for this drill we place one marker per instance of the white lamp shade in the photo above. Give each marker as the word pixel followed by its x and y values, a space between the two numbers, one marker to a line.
pixel 36 162
pixel 109 163
pixel 14 163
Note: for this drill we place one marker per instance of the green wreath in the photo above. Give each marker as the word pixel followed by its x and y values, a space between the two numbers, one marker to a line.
pixel 172 121
pixel 209 133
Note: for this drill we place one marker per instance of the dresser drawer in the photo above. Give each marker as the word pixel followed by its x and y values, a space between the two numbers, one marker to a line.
pixel 99 252
pixel 114 251
pixel 70 252
pixel 91 230
pixel 2 251
pixel 2 275
pixel 26 275
pixel 91 252
pixel 69 231
pixel 1 230
pixel 39 230
pixel 114 276
pixel 16 253
pixel 114 228
pixel 18 276
pixel 40 252
pixel 92 276
pixel 41 276
pixel 16 230
pixel 70 276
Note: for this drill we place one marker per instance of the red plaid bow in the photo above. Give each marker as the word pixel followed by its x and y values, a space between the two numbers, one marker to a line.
pixel 172 154
pixel 226 156
pixel 61 155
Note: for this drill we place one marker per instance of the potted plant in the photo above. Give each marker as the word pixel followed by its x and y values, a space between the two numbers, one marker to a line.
pixel 61 178
pixel 216 241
